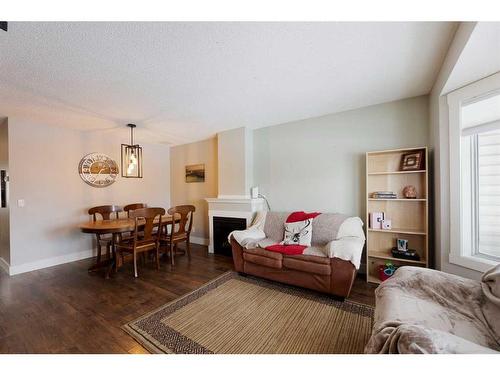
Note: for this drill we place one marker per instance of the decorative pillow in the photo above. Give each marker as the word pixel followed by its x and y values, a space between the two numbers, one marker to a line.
pixel 298 233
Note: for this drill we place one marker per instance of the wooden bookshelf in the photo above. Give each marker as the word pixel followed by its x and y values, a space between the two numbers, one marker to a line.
pixel 409 216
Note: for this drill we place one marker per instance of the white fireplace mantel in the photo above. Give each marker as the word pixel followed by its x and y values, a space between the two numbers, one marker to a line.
pixel 243 208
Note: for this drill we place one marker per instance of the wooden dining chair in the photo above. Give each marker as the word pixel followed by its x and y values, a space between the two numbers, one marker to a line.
pixel 133 206
pixel 145 240
pixel 130 207
pixel 180 231
pixel 104 213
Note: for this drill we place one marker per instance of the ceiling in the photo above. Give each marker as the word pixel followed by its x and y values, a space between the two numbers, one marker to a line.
pixel 479 58
pixel 182 82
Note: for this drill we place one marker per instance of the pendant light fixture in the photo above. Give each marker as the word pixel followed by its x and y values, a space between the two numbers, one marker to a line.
pixel 131 157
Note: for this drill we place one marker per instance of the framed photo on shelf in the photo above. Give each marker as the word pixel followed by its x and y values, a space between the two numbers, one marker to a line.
pixel 402 244
pixel 412 161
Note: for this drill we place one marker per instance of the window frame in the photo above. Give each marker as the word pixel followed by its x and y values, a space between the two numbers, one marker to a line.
pixel 461 253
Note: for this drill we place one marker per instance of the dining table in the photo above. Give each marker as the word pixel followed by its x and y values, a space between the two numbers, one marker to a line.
pixel 116 227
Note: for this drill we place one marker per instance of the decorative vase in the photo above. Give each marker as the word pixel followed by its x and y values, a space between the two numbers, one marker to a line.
pixel 410 192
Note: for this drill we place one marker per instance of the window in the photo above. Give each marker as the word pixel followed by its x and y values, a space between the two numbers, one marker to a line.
pixel 474 114
pixel 480 163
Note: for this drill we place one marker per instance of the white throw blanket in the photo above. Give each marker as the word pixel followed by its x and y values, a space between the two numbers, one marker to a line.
pixel 349 243
pixel 249 237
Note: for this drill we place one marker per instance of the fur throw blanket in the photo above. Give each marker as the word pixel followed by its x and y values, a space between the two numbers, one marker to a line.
pixel 426 311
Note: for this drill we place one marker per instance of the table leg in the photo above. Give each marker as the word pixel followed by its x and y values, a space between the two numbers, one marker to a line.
pixel 112 263
pixel 99 263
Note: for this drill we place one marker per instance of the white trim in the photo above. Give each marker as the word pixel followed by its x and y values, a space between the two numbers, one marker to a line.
pixel 473 262
pixel 481 128
pixel 458 253
pixel 234 197
pixel 240 214
pixel 199 240
pixel 49 262
pixel 238 200
pixel 4 265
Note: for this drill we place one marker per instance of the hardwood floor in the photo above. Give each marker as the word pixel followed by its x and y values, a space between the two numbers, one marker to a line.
pixel 64 309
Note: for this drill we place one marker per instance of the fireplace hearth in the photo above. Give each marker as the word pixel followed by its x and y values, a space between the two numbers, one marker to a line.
pixel 222 227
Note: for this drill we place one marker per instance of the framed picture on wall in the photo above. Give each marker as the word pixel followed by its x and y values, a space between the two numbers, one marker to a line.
pixel 195 173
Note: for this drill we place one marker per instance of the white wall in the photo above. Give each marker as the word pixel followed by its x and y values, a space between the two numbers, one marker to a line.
pixel 439 137
pixel 44 172
pixel 203 152
pixel 235 159
pixel 4 212
pixel 319 163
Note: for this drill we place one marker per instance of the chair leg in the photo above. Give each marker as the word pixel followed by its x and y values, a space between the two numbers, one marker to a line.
pixel 158 256
pixel 108 251
pixel 114 252
pixel 98 258
pixel 188 248
pixel 172 254
pixel 135 264
pixel 117 263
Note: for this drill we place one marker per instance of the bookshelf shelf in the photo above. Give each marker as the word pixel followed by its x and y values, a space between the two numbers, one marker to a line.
pixel 398 150
pixel 391 258
pixel 373 280
pixel 409 221
pixel 396 172
pixel 398 199
pixel 399 231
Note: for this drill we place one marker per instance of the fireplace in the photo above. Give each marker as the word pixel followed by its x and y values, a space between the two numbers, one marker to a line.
pixel 235 206
pixel 222 227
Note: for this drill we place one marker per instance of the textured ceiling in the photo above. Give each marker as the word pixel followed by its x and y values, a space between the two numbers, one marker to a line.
pixel 480 57
pixel 182 82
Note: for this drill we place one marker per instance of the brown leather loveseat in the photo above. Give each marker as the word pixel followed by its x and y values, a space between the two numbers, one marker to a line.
pixel 318 268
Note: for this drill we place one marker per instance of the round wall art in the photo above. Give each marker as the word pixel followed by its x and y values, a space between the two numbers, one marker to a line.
pixel 98 170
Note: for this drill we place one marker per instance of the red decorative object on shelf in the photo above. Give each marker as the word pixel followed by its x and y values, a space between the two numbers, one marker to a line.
pixel 386 270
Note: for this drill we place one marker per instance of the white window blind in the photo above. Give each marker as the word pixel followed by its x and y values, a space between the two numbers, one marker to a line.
pixel 488 193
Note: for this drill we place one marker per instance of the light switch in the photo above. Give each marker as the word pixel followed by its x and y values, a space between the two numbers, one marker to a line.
pixel 20 203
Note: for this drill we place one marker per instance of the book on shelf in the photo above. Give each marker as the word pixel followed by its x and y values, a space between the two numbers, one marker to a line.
pixel 384 195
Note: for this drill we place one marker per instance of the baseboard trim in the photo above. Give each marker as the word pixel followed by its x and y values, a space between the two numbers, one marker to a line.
pixel 50 262
pixel 4 265
pixel 199 240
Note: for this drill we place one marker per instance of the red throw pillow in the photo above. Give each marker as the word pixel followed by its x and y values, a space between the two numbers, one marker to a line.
pixel 301 216
pixel 287 249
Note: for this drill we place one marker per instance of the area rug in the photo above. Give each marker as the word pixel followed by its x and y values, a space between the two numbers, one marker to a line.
pixel 236 314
